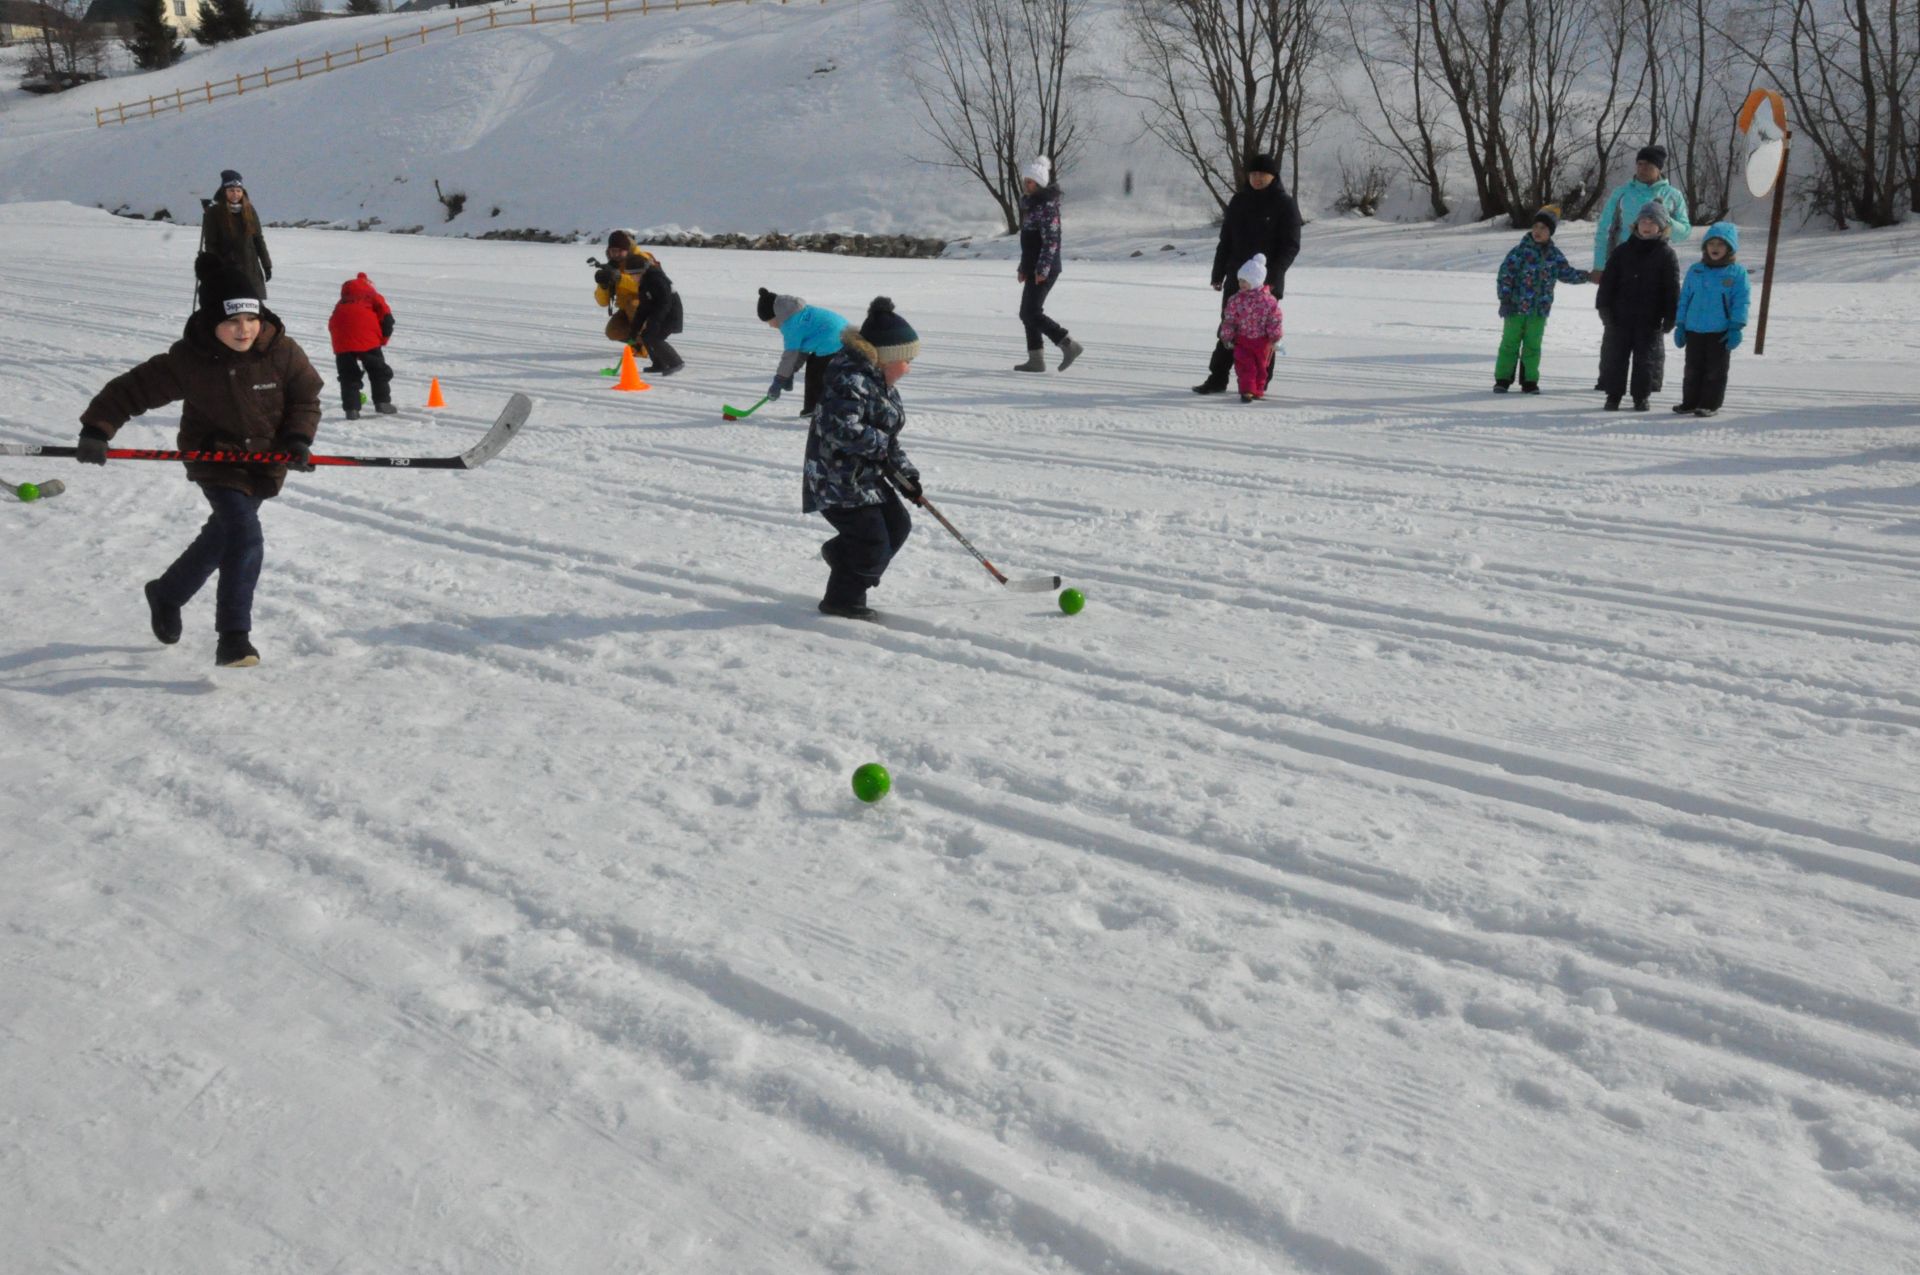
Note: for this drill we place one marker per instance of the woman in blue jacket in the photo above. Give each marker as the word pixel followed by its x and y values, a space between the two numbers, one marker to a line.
pixel 807 333
pixel 1711 320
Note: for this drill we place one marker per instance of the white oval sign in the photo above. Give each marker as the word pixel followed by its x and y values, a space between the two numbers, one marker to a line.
pixel 1763 166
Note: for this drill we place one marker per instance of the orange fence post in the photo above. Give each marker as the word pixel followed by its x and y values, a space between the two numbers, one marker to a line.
pixel 179 99
pixel 423 33
pixel 491 24
pixel 122 108
pixel 97 121
pixel 329 61
pixel 389 44
pixel 570 13
pixel 209 92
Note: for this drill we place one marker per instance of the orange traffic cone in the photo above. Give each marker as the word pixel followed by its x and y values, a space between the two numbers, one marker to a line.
pixel 434 397
pixel 629 373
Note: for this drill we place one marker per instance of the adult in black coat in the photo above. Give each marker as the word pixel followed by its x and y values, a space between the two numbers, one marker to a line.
pixel 1261 218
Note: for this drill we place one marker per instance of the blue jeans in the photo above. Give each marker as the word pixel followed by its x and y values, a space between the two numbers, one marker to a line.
pixel 230 543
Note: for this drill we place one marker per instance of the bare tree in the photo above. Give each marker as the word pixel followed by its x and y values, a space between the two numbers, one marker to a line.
pixel 996 79
pixel 1228 79
pixel 1851 70
pixel 69 50
pixel 1513 71
pixel 1394 45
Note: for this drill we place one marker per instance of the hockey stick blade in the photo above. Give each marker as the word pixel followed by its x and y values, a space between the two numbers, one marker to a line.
pixel 512 417
pixel 1033 584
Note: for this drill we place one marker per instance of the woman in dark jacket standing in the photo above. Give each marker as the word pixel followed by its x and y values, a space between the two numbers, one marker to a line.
pixel 230 231
pixel 247 387
pixel 1040 266
pixel 1260 219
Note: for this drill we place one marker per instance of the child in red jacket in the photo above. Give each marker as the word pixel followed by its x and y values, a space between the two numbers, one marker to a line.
pixel 360 325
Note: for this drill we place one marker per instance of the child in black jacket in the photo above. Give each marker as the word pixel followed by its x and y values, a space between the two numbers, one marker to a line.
pixel 1639 292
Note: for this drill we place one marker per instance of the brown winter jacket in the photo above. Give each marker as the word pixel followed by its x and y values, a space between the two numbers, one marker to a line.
pixel 234 402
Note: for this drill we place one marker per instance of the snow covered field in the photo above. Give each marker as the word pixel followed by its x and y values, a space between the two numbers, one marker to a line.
pixel 1461 836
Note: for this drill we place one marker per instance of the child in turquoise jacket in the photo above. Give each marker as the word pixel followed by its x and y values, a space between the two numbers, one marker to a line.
pixel 807 333
pixel 1711 320
pixel 1525 287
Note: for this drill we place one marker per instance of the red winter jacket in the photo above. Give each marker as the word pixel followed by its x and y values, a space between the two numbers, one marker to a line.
pixel 361 321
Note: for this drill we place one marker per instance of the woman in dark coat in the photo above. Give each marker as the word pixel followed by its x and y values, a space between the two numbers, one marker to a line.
pixel 1261 219
pixel 1040 266
pixel 230 233
pixel 247 387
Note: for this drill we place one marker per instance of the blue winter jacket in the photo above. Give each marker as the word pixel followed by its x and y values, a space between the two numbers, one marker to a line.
pixel 855 436
pixel 1614 225
pixel 808 330
pixel 1714 298
pixel 1526 279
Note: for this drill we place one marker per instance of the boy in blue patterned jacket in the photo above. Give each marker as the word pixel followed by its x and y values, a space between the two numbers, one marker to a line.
pixel 1525 286
pixel 856 471
pixel 1711 319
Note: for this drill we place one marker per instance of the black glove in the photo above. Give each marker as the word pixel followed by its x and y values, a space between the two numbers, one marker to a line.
pixel 386 327
pixel 907 485
pixel 780 385
pixel 92 446
pixel 1666 326
pixel 266 262
pixel 299 452
pixel 607 277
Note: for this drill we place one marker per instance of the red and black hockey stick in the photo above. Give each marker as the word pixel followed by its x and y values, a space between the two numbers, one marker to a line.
pixel 515 414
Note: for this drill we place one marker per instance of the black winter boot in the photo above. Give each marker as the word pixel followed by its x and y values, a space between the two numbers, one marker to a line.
pixel 235 651
pixel 1641 405
pixel 1501 387
pixel 1529 387
pixel 847 610
pixel 1211 386
pixel 1613 403
pixel 164 616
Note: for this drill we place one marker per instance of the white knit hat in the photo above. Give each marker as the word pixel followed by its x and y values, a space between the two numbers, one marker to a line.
pixel 1039 172
pixel 1254 273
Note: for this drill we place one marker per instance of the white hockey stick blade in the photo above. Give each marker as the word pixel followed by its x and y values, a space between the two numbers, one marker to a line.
pixel 512 417
pixel 1033 584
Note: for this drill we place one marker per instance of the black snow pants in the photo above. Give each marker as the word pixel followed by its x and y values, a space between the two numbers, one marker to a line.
pixel 1705 385
pixel 1630 343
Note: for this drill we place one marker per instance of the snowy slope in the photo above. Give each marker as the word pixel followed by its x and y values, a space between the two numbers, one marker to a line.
pixel 739 117
pixel 1462 836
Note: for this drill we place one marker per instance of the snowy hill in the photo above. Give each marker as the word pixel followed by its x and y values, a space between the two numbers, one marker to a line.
pixel 1462 835
pixel 743 117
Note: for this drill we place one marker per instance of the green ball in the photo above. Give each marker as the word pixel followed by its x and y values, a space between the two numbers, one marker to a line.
pixel 1072 601
pixel 871 782
pixel 29 491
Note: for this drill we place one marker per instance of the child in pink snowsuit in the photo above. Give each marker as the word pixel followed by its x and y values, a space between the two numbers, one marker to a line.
pixel 1251 325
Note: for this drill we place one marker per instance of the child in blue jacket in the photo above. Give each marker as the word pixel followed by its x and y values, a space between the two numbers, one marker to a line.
pixel 806 333
pixel 1711 320
pixel 1525 287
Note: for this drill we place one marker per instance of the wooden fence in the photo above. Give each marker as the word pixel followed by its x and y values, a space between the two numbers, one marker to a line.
pixel 463 24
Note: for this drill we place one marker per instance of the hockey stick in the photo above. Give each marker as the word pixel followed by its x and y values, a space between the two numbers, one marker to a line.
pixel 36 491
pixel 512 417
pixel 1026 584
pixel 741 414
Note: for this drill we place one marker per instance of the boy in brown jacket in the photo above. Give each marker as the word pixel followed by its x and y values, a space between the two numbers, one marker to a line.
pixel 247 387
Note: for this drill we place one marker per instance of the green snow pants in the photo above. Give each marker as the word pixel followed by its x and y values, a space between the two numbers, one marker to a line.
pixel 1520 343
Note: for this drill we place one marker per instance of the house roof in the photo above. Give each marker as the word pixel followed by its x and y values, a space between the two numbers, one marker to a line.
pixel 114 10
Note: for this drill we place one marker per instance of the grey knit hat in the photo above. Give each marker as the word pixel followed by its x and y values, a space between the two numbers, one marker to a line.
pixel 1656 212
